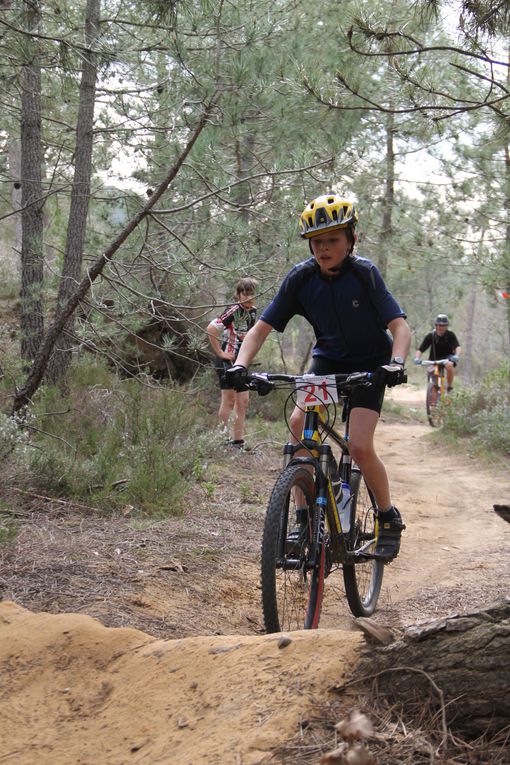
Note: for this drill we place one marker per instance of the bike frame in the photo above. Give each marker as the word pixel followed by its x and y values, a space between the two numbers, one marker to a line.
pixel 294 569
pixel 321 458
pixel 437 375
pixel 435 396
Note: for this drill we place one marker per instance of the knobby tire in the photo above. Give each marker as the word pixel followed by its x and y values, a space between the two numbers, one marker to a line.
pixel 363 579
pixel 291 592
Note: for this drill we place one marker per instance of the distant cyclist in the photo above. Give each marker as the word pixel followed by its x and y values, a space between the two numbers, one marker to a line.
pixel 226 334
pixel 347 303
pixel 443 344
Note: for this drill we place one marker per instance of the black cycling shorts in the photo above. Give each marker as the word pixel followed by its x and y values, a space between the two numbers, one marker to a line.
pixel 371 397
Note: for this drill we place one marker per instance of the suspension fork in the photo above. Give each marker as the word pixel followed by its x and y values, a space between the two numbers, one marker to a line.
pixel 320 506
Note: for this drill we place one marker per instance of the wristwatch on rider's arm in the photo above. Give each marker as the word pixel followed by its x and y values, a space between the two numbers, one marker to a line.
pixel 398 360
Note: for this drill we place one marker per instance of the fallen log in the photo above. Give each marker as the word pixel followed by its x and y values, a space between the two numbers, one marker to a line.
pixel 459 664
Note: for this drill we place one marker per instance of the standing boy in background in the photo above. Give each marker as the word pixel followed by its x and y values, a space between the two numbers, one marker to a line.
pixel 226 334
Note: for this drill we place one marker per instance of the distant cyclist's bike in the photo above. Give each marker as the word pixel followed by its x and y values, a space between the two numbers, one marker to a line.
pixel 341 523
pixel 435 400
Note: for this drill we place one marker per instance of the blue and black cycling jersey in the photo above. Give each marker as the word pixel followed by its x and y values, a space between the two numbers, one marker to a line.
pixel 349 312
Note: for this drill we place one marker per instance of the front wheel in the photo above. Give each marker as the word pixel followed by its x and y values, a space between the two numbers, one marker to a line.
pixel 362 579
pixel 292 588
pixel 433 405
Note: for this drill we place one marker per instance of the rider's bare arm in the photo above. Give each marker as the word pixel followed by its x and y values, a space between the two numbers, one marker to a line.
pixel 401 333
pixel 214 332
pixel 253 342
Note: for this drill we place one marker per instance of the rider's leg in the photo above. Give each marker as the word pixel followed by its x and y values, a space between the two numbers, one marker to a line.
pixel 241 405
pixel 228 398
pixel 361 446
pixel 362 427
pixel 450 374
pixel 297 420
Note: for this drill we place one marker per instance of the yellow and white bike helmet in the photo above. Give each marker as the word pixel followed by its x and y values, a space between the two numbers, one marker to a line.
pixel 327 213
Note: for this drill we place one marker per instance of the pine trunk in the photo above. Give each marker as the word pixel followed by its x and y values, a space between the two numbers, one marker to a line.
pixel 389 198
pixel 32 314
pixel 76 229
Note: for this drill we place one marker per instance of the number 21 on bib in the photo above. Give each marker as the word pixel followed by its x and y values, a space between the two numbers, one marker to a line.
pixel 313 390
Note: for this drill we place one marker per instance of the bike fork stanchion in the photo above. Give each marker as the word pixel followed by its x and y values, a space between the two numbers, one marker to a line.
pixel 321 501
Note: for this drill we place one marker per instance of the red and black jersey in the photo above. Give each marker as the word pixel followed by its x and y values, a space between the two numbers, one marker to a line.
pixel 236 322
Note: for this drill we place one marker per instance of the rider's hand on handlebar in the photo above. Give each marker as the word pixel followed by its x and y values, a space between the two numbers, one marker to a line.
pixel 453 358
pixel 237 376
pixel 417 362
pixel 263 387
pixel 391 374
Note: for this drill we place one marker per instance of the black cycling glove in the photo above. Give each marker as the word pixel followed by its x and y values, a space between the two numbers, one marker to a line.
pixel 237 376
pixel 391 375
pixel 263 387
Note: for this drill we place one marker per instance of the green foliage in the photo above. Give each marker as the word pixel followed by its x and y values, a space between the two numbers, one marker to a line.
pixel 282 107
pixel 7 531
pixel 13 439
pixel 483 412
pixel 119 443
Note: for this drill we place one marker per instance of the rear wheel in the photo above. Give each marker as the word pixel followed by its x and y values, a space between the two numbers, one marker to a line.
pixel 292 589
pixel 363 579
pixel 433 404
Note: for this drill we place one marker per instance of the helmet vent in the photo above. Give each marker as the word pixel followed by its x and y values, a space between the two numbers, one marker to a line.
pixel 320 216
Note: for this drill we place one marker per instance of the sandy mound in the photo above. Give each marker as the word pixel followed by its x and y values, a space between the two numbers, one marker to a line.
pixel 75 692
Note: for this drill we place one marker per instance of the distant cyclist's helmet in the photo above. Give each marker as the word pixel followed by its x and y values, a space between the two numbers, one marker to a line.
pixel 442 320
pixel 327 213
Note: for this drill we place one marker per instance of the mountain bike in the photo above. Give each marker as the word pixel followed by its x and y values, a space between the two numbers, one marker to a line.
pixel 435 399
pixel 341 528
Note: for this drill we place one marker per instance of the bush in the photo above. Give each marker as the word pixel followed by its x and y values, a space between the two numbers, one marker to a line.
pixel 118 442
pixel 483 412
pixel 13 440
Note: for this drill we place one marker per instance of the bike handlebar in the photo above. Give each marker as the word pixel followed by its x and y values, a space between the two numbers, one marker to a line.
pixel 267 381
pixel 431 363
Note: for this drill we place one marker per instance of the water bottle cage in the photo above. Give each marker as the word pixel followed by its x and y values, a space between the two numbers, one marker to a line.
pixel 336 485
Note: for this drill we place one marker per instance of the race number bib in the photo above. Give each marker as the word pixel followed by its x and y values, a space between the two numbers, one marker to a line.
pixel 313 390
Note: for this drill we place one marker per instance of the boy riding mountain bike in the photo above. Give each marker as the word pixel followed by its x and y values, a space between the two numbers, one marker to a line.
pixel 349 307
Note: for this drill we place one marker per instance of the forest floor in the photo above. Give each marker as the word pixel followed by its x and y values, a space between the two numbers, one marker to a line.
pixel 191 678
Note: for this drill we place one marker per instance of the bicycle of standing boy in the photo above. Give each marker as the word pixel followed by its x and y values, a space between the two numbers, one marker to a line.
pixel 341 527
pixel 435 399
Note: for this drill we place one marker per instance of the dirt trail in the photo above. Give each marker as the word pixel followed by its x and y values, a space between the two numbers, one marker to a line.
pixel 455 549
pixel 193 680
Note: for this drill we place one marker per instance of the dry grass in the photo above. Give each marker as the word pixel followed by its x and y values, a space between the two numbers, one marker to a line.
pixel 401 737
